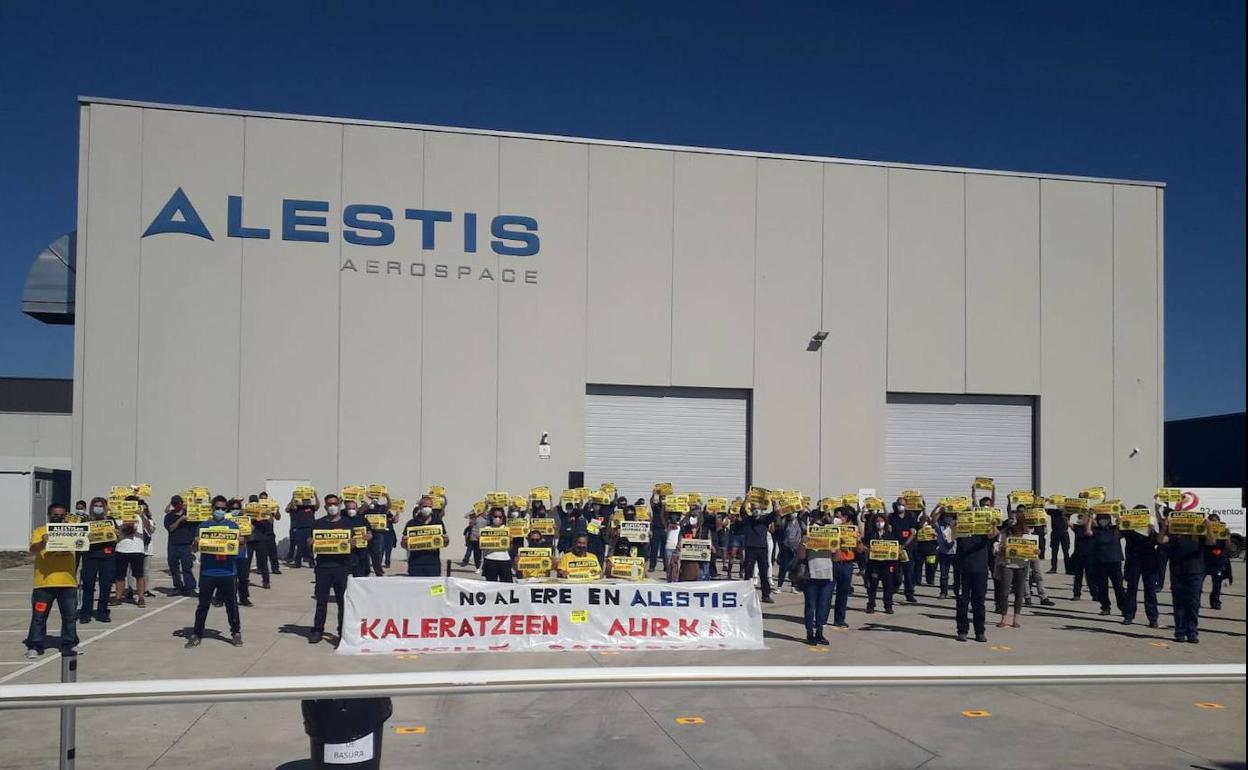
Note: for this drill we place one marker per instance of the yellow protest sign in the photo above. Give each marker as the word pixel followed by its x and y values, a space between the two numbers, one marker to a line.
pixel 1035 517
pixel 478 507
pixel 984 482
pixel 1076 505
pixel 600 496
pixel 1055 501
pixel 608 487
pixel 534 562
pixel 255 511
pixel 956 504
pixel 1135 520
pixel 305 495
pixel 377 521
pixel 1023 548
pixel 398 504
pixel 1219 529
pixel 663 488
pixel 884 550
pixel 359 537
pixel 849 498
pixel 1186 523
pixel 636 532
pixel 829 504
pixel 582 494
pixel 243 522
pixel 354 494
pixel 439 502
pixel 568 496
pixel 518 527
pixel 823 537
pixel 627 567
pixel 1111 508
pixel 1022 497
pixel 497 499
pixel 540 493
pixel 375 491
pixel 544 525
pixel 677 504
pixel 873 504
pixel 758 495
pixel 848 536
pixel 583 568
pixel 218 541
pixel 427 537
pixel 926 534
pixel 120 493
pixel 101 531
pixel 66 537
pixel 142 490
pixel 643 512
pixel 1168 495
pixel 696 550
pixel 495 539
pixel 695 498
pixel 912 502
pixel 198 512
pixel 716 505
pixel 977 521
pixel 331 542
pixel 436 491
pixel 519 502
pixel 1093 493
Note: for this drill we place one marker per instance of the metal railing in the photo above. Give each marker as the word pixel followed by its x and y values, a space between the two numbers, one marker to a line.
pixel 165 691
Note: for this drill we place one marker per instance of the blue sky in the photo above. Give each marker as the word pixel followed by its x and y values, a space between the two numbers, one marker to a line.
pixel 1143 90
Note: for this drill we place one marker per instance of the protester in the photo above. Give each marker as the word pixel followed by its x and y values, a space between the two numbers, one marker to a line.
pixel 880 572
pixel 1105 560
pixel 332 570
pixel 271 545
pixel 905 525
pixel 755 529
pixel 262 547
pixel 54 581
pixel 218 577
pixel 1013 573
pixel 377 537
pixel 658 532
pixel 497 565
pixel 1217 565
pixel 1059 537
pixel 946 551
pixel 971 568
pixel 1081 558
pixel 97 569
pixel 472 538
pixel 819 586
pixel 129 555
pixel 1141 567
pixel 302 517
pixel 927 550
pixel 790 540
pixel 181 555
pixel 1187 577
pixel 242 561
pixel 580 550
pixel 423 562
pixel 843 567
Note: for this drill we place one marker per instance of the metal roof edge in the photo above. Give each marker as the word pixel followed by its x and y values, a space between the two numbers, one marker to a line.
pixel 608 142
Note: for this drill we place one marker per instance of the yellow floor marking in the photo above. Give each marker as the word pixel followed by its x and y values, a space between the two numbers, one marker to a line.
pixel 412 730
pixel 1210 706
pixel 690 721
pixel 976 714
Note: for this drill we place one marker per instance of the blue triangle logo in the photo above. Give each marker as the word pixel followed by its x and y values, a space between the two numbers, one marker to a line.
pixel 178 216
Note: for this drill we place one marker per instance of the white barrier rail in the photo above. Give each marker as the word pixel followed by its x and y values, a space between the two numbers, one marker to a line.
pixel 164 691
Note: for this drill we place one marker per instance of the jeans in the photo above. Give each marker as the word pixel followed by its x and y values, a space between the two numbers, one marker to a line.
pixel 41 599
pixel 389 540
pixel 757 556
pixel 1059 538
pixel 96 572
pixel 1185 596
pixel 818 603
pixel 497 571
pixel 787 555
pixel 843 579
pixel 658 548
pixel 1013 581
pixel 909 574
pixel 1035 578
pixel 258 557
pixel 299 539
pixel 182 568
pixel 377 552
pixel 265 549
pixel 972 592
pixel 877 572
pixel 222 587
pixel 242 570
pixel 1163 560
pixel 1136 574
pixel 1104 577
pixel 1215 595
pixel 270 548
pixel 474 551
pixel 329 577
pixel 947 562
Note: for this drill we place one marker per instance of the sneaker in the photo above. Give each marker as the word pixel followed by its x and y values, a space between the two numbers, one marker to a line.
pixel 961 636
pixel 84 619
pixel 276 571
pixel 192 642
pixel 1152 624
pixel 793 590
pixel 943 595
pixel 1052 571
pixel 141 602
pixel 911 600
pixel 33 654
pixel 265 585
pixel 245 603
pixel 1047 602
pixel 316 637
pixel 870 610
pixel 1106 612
pixel 888 610
pixel 842 624
pixel 768 600
pixel 1193 639
pixel 75 650
pixel 1128 621
pixel 1180 638
pixel 236 639
pixel 810 640
pixel 1075 597
pixel 105 618
pixel 981 638
pixel 821 639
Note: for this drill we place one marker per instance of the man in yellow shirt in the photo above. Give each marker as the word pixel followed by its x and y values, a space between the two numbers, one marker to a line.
pixel 55 581
pixel 579 555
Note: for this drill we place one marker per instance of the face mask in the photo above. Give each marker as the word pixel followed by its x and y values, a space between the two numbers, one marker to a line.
pixel 535 543
pixel 350 511
pixel 879 526
pixel 693 519
pixel 332 510
pixel 97 510
pixel 513 515
pixel 498 522
pixel 218 513
pixel 57 517
pixel 579 550
pixel 426 511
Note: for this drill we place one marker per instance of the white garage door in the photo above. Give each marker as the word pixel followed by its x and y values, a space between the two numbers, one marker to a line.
pixel 694 438
pixel 939 444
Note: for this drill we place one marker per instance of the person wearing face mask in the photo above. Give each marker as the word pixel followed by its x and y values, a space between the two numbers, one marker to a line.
pixel 1105 560
pixel 357 563
pixel 658 532
pixel 540 512
pixel 842 567
pixel 242 562
pixel 819 587
pixel 332 570
pixel 181 556
pixel 756 528
pixel 258 545
pixel 926 551
pixel 1013 573
pixel 80 510
pixel 1187 576
pixel 880 572
pixel 218 577
pixel 97 570
pixel 971 569
pixel 302 517
pixel 423 562
pixel 129 555
pixel 270 542
pixel 573 526
pixel 791 532
pixel 54 582
pixel 580 550
pixel 1082 558
pixel 1141 566
pixel 497 566
pixel 535 540
pixel 472 538
pixel 1217 565
pixel 376 551
pixel 946 551
pixel 905 524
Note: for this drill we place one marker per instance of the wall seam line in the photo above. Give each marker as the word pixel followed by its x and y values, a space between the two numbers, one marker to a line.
pixel 342 173
pixel 138 308
pixel 671 287
pixel 498 313
pixel 242 287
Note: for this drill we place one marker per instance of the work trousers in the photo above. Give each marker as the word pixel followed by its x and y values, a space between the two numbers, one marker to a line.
pixel 329 577
pixel 223 587
pixel 182 568
pixel 658 548
pixel 377 552
pixel 1185 596
pixel 497 571
pixel 96 573
pixel 1035 579
pixel 1135 575
pixel 757 557
pixel 972 592
pixel 787 555
pixel 909 574
pixel 300 548
pixel 1013 581
pixel 260 560
pixel 843 578
pixel 881 572
pixel 948 562
pixel 1103 577
pixel 242 570
pixel 1059 538
pixel 41 600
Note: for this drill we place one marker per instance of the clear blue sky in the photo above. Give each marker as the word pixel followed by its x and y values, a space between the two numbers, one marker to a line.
pixel 1143 90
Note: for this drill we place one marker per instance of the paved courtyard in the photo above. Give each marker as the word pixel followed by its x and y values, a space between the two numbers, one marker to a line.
pixel 1144 726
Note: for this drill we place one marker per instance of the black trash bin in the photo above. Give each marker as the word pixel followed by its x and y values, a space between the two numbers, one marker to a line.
pixel 346 733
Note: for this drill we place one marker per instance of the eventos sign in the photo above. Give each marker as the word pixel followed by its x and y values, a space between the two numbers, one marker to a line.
pixel 370 225
pixel 431 615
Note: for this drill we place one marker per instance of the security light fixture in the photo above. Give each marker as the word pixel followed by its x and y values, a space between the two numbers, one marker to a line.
pixel 816 341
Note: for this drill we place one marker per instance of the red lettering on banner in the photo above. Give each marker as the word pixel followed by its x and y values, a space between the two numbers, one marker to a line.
pixel 428 627
pixel 659 626
pixel 392 628
pixel 715 630
pixel 368 630
pixel 550 625
pixel 687 627
pixel 446 627
pixel 465 628
pixel 516 626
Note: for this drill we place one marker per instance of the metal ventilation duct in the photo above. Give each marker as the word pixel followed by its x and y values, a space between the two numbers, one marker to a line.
pixel 49 291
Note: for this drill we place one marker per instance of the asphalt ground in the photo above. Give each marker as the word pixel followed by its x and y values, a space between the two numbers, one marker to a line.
pixel 1139 726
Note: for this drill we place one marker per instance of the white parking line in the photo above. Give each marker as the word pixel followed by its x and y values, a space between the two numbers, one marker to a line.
pixel 56 655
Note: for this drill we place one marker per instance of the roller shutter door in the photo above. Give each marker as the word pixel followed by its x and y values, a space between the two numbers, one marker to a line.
pixel 939 444
pixel 695 438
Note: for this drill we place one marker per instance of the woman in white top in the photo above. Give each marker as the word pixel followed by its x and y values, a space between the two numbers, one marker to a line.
pixel 1013 573
pixel 130 553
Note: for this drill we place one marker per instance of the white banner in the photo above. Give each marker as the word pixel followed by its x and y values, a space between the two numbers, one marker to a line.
pixel 402 614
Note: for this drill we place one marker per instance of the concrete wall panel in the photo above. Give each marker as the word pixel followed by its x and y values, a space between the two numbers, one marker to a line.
pixel 713 271
pixel 926 282
pixel 788 297
pixel 629 321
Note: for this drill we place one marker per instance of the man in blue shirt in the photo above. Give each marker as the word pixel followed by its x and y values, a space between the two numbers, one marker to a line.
pixel 754 528
pixel 217 576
